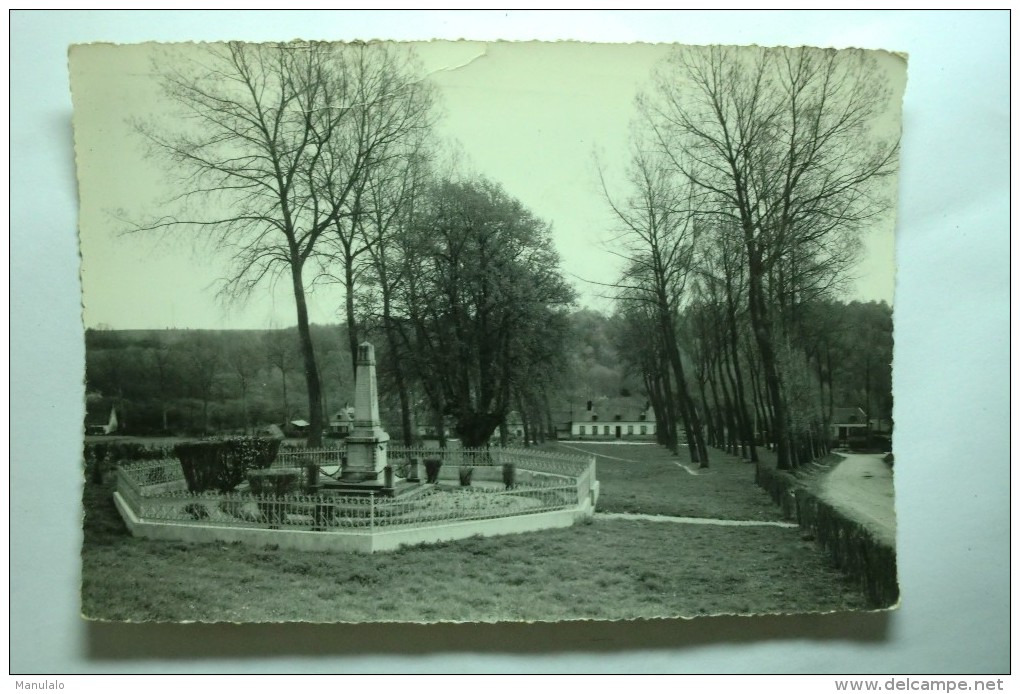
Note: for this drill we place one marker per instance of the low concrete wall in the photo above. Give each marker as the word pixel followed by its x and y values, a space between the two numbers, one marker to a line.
pixel 851 546
pixel 379 540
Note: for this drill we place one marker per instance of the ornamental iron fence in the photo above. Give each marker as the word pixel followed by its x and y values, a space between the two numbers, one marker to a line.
pixel 157 491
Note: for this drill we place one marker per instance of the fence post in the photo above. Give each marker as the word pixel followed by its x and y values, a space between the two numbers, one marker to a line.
pixel 371 512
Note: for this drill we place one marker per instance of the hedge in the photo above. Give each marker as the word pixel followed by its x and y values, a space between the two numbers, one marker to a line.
pixel 850 545
pixel 222 465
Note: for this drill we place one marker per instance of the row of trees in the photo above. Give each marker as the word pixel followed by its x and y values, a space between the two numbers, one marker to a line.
pixel 753 174
pixel 316 162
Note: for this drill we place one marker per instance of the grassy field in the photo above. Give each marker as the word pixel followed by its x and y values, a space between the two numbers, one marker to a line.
pixel 606 569
pixel 647 479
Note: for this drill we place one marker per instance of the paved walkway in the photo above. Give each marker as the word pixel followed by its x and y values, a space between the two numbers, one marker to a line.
pixel 690 521
pixel 598 455
pixel 687 469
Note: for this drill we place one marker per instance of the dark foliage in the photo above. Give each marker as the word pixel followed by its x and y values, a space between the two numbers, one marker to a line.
pixel 222 465
pixel 274 482
pixel 432 466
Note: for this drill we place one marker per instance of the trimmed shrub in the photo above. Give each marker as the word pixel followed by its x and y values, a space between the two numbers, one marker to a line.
pixel 432 466
pixel 222 465
pixel 465 475
pixel 509 475
pixel 274 482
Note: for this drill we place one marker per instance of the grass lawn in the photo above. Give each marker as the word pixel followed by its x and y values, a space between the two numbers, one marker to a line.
pixel 606 569
pixel 650 480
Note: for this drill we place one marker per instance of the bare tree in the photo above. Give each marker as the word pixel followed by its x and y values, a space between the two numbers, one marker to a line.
pixel 393 113
pixel 657 234
pixel 393 196
pixel 269 149
pixel 784 144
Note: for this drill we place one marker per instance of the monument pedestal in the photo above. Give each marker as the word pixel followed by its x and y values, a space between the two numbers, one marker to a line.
pixel 366 457
pixel 365 466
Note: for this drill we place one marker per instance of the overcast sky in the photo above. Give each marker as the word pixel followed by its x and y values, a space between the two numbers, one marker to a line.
pixel 528 115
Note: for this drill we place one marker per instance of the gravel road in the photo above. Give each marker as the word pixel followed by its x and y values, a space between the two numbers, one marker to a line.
pixel 862 487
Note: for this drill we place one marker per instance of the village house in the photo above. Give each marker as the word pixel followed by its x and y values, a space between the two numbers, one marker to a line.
pixel 342 422
pixel 100 421
pixel 849 425
pixel 614 418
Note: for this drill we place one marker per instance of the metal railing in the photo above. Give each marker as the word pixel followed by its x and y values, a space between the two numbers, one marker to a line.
pixel 157 491
pixel 472 457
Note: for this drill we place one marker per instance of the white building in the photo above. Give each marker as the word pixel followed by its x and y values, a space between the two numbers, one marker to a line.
pixel 614 419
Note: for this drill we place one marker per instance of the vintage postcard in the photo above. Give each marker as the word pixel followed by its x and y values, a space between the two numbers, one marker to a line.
pixel 476 332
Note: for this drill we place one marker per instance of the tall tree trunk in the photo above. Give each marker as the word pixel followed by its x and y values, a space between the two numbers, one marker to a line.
pixel 352 324
pixel 719 442
pixel 308 353
pixel 549 423
pixel 440 427
pixel 770 369
pixel 655 396
pixel 761 410
pixel 286 405
pixel 731 427
pixel 746 424
pixel 712 414
pixel 398 376
pixel 672 440
pixel 688 413
pixel 524 420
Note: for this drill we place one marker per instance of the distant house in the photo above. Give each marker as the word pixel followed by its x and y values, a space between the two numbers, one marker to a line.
pixel 614 418
pixel 297 427
pixel 342 422
pixel 99 421
pixel 848 425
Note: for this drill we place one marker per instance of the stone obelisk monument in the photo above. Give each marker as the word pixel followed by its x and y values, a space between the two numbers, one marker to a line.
pixel 366 445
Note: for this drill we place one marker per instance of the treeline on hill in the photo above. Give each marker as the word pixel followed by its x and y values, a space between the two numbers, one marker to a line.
pixel 196 382
pixel 754 174
pixel 209 381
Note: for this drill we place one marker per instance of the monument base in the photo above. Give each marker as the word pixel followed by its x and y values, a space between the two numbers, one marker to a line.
pixel 365 488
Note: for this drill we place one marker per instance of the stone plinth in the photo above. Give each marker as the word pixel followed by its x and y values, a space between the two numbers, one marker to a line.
pixel 366 445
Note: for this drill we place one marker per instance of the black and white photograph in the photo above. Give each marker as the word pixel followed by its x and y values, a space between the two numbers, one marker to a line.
pixel 486 332
pixel 351 342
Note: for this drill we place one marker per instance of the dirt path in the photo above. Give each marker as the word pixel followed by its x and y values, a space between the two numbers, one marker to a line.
pixel 862 487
